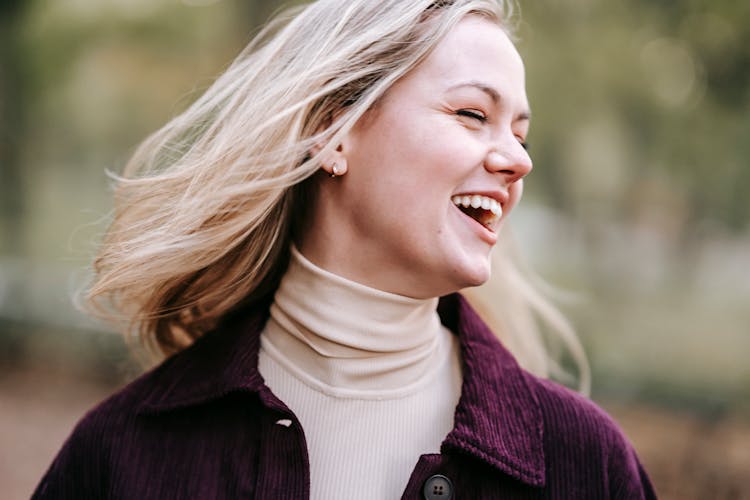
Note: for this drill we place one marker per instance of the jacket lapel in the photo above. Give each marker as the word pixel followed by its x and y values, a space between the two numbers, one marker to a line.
pixel 498 418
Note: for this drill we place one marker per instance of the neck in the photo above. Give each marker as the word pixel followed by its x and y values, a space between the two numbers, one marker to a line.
pixel 342 335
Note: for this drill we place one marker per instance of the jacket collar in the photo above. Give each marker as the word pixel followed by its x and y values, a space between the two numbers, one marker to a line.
pixel 497 420
pixel 498 417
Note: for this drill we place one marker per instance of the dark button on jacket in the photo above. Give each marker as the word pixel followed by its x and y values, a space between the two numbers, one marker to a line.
pixel 438 487
pixel 203 425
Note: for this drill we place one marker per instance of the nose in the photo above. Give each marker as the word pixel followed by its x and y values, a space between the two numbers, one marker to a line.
pixel 513 162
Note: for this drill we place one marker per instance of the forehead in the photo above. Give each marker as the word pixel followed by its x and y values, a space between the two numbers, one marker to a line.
pixel 476 49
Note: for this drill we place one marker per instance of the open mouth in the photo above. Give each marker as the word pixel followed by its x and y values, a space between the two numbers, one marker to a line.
pixel 483 209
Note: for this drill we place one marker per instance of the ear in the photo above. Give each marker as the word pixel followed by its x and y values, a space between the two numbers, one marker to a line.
pixel 338 155
pixel 334 162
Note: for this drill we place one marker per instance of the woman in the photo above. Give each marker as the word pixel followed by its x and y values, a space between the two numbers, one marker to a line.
pixel 294 242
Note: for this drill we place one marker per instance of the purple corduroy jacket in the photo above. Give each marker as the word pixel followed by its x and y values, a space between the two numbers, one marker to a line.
pixel 203 425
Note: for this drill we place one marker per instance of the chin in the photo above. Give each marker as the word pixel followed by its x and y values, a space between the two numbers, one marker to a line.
pixel 475 274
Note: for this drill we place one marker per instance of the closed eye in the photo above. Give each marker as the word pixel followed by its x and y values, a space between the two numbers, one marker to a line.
pixel 470 113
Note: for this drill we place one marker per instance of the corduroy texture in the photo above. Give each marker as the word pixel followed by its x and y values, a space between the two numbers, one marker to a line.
pixel 204 425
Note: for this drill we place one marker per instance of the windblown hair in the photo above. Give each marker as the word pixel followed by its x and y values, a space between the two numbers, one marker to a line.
pixel 206 209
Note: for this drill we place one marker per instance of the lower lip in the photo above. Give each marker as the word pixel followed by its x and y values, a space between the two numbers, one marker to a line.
pixel 484 233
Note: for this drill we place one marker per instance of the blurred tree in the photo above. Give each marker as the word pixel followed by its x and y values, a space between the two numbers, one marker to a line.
pixel 12 125
pixel 653 96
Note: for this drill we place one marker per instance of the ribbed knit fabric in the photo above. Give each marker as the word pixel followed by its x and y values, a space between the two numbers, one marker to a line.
pixel 359 368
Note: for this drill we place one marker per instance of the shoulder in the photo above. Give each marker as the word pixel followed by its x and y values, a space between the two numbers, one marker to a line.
pixel 204 391
pixel 120 409
pixel 581 438
pixel 81 466
pixel 84 464
pixel 569 414
pixel 180 381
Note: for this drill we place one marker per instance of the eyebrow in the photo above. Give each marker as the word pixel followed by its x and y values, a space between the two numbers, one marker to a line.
pixel 493 94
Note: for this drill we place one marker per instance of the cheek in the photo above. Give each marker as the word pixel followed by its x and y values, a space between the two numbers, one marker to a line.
pixel 408 166
pixel 515 191
pixel 397 169
pixel 434 165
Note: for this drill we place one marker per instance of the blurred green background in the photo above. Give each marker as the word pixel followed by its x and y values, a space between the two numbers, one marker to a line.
pixel 638 205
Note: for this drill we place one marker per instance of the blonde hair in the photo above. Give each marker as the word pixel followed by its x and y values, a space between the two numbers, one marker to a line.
pixel 205 210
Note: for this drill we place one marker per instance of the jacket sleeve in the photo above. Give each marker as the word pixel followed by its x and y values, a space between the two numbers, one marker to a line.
pixel 78 471
pixel 627 478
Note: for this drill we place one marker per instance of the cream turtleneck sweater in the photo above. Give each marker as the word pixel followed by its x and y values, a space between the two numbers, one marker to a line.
pixel 373 377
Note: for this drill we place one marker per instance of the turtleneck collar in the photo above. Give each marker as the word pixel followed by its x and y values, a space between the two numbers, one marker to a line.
pixel 348 339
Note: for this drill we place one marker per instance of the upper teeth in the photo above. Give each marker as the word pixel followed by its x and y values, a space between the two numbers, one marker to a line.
pixel 478 201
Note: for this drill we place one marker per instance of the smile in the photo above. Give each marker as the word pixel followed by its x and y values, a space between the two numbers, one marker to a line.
pixel 483 209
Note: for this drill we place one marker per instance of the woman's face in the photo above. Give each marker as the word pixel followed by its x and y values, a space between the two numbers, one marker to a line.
pixel 449 132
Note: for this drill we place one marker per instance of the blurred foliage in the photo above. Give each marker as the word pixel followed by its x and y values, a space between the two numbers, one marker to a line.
pixel 640 138
pixel 640 107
